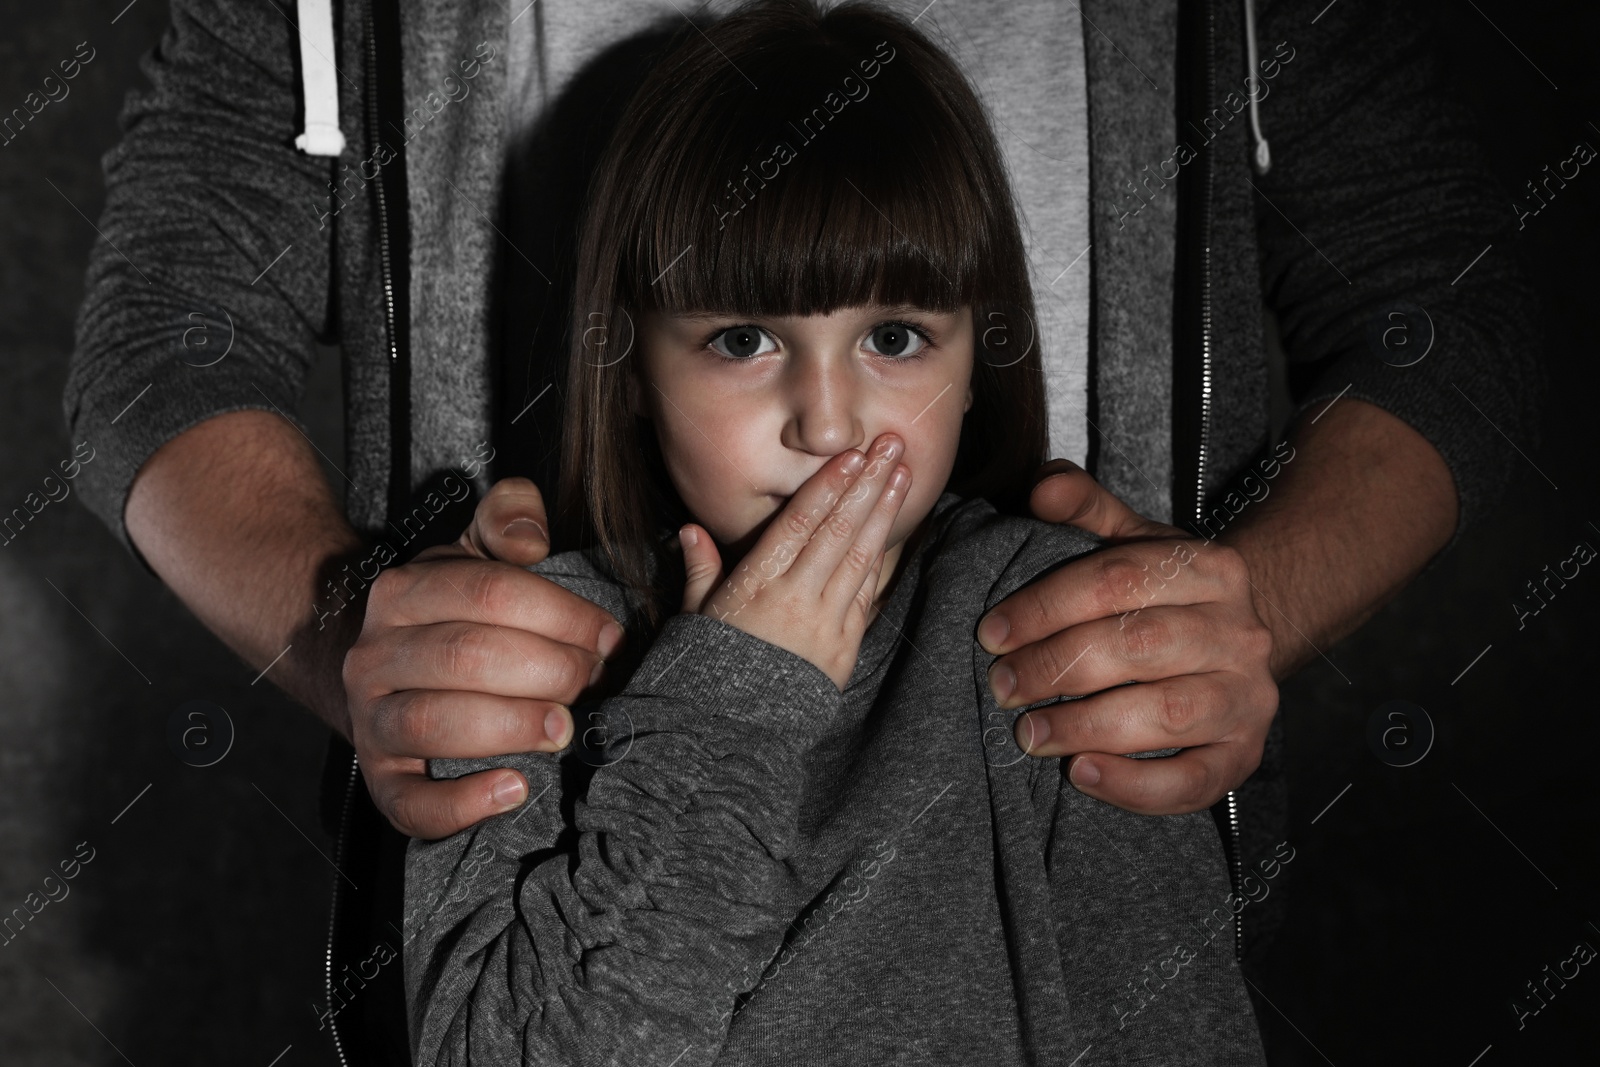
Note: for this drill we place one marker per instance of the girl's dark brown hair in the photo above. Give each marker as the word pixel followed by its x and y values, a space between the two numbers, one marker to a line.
pixel 787 161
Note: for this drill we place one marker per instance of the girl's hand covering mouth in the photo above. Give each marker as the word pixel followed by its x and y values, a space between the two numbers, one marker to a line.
pixel 809 582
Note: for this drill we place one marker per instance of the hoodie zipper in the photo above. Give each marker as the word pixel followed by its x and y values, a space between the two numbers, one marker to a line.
pixel 1234 852
pixel 400 435
pixel 341 848
pixel 333 913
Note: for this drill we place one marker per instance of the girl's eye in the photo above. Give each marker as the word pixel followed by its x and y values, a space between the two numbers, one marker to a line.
pixel 742 342
pixel 894 340
pixel 897 339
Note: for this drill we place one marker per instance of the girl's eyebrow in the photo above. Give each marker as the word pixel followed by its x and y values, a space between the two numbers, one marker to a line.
pixel 876 309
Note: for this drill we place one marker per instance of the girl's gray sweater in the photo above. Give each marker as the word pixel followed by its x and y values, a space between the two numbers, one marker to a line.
pixel 762 869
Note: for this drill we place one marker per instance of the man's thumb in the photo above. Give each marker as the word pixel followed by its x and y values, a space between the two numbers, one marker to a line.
pixel 509 524
pixel 702 566
pixel 1066 493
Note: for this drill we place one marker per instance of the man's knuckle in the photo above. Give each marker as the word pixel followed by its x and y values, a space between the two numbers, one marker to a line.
pixel 375 719
pixel 463 652
pixel 384 591
pixel 1057 665
pixel 1037 616
pixel 490 589
pixel 1230 565
pixel 1258 643
pixel 572 672
pixel 1144 636
pixel 1041 663
pixel 1266 696
pixel 352 669
pixel 404 813
pixel 365 673
pixel 484 512
pixel 1116 575
pixel 1179 707
pixel 418 722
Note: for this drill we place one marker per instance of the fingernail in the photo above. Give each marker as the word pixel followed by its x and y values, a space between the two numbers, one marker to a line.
pixel 599 669
pixel 854 462
pixel 610 638
pixel 687 537
pixel 1031 731
pixel 524 529
pixel 992 632
pixel 1083 773
pixel 1003 680
pixel 555 726
pixel 509 791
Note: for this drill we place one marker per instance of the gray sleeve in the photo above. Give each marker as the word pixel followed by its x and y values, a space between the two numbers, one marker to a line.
pixel 203 193
pixel 619 926
pixel 1040 549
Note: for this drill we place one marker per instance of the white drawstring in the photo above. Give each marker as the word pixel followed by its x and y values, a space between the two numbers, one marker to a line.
pixel 1263 156
pixel 319 79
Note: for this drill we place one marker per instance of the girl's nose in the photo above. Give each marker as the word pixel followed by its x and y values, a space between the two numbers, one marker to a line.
pixel 824 416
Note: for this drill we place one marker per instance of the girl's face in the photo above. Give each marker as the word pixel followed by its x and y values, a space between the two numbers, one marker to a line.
pixel 747 408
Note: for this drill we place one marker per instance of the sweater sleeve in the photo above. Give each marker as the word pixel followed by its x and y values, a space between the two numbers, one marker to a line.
pixel 619 926
pixel 210 286
pixel 1378 194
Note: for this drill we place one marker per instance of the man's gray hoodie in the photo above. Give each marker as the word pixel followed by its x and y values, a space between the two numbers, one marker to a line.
pixel 764 870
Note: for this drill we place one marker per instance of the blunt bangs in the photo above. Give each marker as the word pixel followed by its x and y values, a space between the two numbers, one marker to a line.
pixel 821 188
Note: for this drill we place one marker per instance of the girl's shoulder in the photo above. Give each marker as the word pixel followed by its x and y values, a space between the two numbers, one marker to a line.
pixel 983 545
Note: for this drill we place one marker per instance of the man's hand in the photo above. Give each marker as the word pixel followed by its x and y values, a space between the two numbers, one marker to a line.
pixel 465 654
pixel 1174 614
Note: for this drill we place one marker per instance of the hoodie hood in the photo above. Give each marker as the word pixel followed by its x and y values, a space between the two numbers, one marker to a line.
pixel 320 88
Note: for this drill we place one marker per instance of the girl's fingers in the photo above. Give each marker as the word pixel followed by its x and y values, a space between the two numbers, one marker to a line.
pixel 791 530
pixel 857 571
pixel 820 559
pixel 702 566
pixel 868 591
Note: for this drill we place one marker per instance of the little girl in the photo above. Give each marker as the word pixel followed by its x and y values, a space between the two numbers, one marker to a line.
pixel 798 830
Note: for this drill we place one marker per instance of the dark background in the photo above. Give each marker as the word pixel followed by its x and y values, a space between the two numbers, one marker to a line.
pixel 1420 902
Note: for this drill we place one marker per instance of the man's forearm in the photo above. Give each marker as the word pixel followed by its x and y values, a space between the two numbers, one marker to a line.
pixel 236 517
pixel 1365 504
